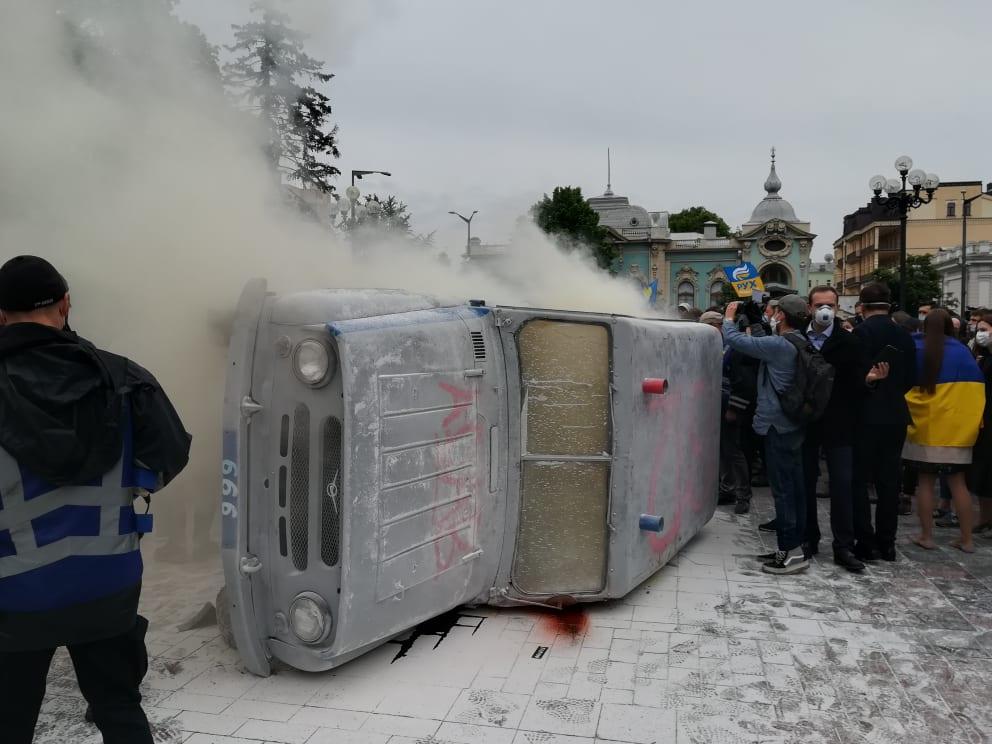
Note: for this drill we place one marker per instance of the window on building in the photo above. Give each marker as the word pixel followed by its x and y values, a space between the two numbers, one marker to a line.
pixel 687 293
pixel 716 293
pixel 775 274
pixel 951 209
pixel 967 209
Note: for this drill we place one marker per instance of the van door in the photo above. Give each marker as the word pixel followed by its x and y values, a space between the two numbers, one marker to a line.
pixel 560 423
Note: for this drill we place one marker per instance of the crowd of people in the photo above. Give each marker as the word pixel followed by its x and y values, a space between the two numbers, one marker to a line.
pixel 891 406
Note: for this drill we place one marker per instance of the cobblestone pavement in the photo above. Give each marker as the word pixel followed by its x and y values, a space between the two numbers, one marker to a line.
pixel 709 651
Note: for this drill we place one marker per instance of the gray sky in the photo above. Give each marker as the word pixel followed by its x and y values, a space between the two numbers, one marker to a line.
pixel 487 105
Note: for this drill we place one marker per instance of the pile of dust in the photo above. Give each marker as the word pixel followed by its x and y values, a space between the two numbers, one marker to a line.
pixel 150 194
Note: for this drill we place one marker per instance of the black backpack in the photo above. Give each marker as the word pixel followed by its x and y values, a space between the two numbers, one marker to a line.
pixel 806 399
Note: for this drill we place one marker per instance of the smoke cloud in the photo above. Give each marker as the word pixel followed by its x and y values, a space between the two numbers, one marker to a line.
pixel 137 179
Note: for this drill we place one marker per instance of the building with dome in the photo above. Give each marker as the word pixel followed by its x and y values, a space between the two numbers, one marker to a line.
pixel 689 266
pixel 776 241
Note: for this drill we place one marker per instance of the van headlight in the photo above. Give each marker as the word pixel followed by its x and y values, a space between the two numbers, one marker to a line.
pixel 313 362
pixel 310 618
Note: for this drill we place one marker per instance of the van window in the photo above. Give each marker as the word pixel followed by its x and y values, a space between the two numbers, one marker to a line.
pixel 565 443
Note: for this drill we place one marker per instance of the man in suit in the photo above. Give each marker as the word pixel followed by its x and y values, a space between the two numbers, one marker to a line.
pixel 881 428
pixel 834 433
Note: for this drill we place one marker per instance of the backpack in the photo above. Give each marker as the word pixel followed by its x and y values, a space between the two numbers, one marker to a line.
pixel 806 399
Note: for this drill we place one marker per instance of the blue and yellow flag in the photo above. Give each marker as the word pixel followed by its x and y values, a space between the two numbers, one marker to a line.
pixel 651 292
pixel 952 415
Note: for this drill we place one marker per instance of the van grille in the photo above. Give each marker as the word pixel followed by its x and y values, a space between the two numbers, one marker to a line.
pixel 478 344
pixel 330 489
pixel 299 487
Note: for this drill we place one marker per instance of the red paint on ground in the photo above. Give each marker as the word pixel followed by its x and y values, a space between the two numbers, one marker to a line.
pixel 571 622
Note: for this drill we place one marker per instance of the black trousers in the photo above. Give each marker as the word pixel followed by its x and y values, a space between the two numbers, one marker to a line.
pixel 109 673
pixel 840 467
pixel 735 476
pixel 877 459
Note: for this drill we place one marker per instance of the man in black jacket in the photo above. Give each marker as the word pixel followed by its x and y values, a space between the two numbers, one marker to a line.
pixel 82 432
pixel 881 429
pixel 739 386
pixel 834 433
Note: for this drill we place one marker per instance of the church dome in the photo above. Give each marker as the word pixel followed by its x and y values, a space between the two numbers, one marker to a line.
pixel 773 206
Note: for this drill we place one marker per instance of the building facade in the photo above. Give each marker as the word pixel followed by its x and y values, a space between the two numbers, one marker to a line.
pixel 821 273
pixel 689 266
pixel 870 239
pixel 947 261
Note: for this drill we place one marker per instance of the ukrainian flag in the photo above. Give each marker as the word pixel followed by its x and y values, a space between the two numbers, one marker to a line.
pixel 946 423
pixel 651 292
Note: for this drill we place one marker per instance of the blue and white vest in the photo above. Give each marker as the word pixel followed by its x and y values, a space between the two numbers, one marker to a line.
pixel 64 546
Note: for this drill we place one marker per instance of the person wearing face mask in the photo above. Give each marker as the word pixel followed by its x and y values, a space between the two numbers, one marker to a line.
pixel 778 357
pixel 881 427
pixel 979 475
pixel 834 433
pixel 923 312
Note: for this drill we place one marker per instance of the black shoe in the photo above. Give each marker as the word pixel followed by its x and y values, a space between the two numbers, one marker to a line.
pixel 888 553
pixel 866 553
pixel 725 498
pixel 88 715
pixel 768 526
pixel 845 559
pixel 783 563
pixel 950 520
pixel 743 506
pixel 905 506
pixel 822 495
pixel 759 481
pixel 766 556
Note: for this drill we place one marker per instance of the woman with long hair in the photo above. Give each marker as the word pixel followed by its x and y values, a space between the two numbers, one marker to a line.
pixel 980 472
pixel 947 406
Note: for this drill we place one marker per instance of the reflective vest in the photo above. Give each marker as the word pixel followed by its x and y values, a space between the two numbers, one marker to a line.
pixel 63 546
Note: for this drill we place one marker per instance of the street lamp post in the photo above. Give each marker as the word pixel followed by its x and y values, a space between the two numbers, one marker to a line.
pixel 900 200
pixel 468 222
pixel 965 203
pixel 348 208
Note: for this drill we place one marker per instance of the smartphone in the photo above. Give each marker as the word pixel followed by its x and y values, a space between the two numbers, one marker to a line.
pixel 889 354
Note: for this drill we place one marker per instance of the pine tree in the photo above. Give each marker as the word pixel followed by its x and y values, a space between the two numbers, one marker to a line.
pixel 277 79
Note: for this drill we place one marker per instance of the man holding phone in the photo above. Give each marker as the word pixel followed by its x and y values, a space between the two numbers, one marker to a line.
pixel 881 428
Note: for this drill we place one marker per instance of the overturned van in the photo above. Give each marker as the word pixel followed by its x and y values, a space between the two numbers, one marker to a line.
pixel 388 458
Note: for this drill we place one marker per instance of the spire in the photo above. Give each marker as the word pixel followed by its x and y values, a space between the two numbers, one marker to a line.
pixel 773 184
pixel 609 175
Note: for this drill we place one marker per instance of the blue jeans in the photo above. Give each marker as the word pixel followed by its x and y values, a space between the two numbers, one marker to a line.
pixel 784 463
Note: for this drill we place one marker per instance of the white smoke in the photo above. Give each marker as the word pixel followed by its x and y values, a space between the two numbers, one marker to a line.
pixel 152 198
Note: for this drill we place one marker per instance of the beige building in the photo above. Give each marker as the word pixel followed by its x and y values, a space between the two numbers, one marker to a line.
pixel 871 234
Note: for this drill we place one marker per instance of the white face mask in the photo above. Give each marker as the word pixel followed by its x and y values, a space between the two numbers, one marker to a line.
pixel 773 322
pixel 922 317
pixel 983 338
pixel 824 316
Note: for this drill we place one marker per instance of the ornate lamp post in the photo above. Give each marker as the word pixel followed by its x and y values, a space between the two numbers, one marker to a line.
pixel 899 199
pixel 348 208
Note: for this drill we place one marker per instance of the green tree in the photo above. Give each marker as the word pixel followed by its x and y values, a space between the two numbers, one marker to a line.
pixel 277 80
pixel 117 44
pixel 390 217
pixel 922 282
pixel 692 219
pixel 574 225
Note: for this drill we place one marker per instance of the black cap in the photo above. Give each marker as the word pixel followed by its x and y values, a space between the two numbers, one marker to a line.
pixel 30 283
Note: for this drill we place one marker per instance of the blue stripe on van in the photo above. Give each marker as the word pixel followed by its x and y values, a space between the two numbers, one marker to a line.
pixel 68 582
pixel 66 521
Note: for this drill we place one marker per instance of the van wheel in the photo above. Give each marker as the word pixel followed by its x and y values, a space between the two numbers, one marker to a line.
pixel 224 618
